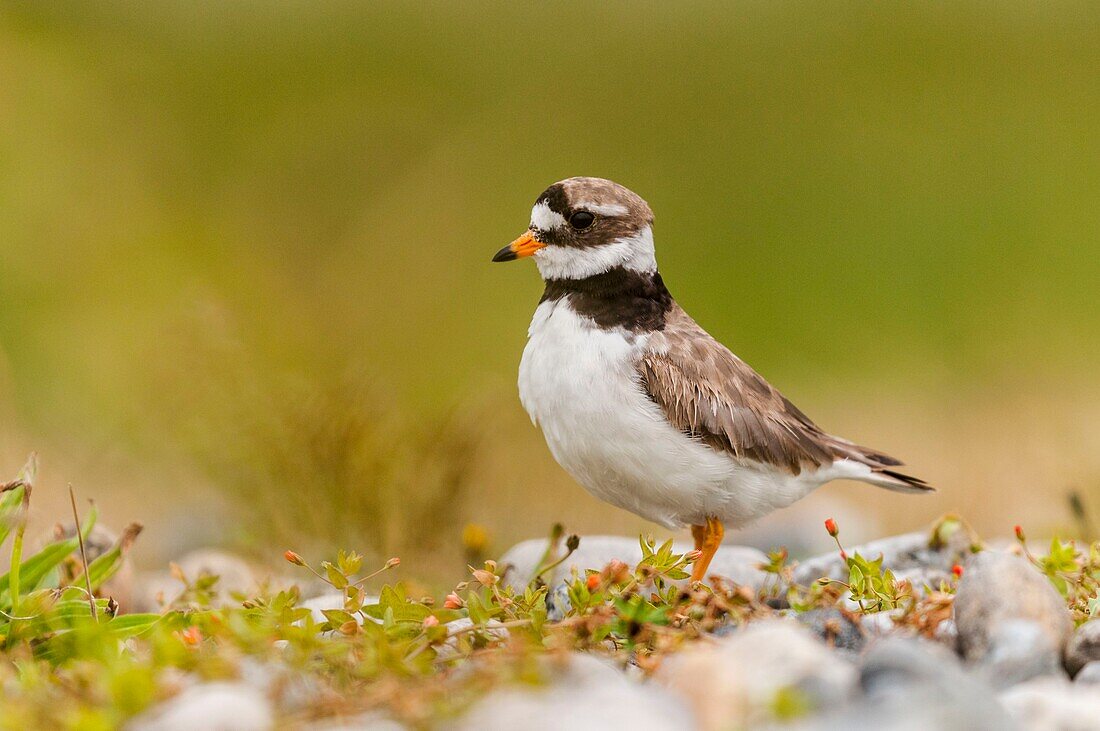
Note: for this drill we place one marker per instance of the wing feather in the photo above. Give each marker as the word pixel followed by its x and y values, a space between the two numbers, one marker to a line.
pixel 709 393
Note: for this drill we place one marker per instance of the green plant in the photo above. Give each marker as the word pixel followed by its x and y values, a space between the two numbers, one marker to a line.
pixel 40 600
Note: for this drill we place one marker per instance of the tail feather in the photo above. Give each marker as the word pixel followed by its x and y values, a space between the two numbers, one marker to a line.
pixel 899 482
pixel 879 464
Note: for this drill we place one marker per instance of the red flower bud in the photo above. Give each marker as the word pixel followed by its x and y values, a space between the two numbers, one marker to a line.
pixel 1020 533
pixel 191 636
pixel 453 601
pixel 294 558
pixel 430 621
pixel 830 526
pixel 957 570
pixel 592 582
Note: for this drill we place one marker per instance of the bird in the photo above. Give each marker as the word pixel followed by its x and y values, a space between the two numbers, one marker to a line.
pixel 643 407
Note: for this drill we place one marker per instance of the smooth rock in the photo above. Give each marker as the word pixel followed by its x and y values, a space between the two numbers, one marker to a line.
pixel 737 563
pixel 449 648
pixel 585 695
pixel 947 633
pixel 557 602
pixel 1088 675
pixel 1053 704
pixel 154 589
pixel 1006 613
pixel 908 555
pixel 292 689
pixel 362 722
pixel 1083 646
pixel 915 685
pixel 233 572
pixel 1020 649
pixel 734 682
pixel 882 624
pixel 211 707
pixel 835 628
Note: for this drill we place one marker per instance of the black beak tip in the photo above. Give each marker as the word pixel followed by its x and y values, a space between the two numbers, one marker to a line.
pixel 505 254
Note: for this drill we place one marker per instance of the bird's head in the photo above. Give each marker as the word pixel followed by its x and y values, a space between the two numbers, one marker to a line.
pixel 582 227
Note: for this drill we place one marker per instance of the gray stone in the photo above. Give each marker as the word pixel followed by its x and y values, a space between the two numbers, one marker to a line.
pixel 233 572
pixel 882 624
pixel 1088 675
pixel 1007 614
pixel 947 633
pixel 585 694
pixel 835 628
pixel 1020 649
pixel 494 630
pixel 211 707
pixel 915 685
pixel 909 555
pixel 363 722
pixel 292 689
pixel 1053 704
pixel 152 590
pixel 1083 646
pixel 737 563
pixel 557 602
pixel 733 682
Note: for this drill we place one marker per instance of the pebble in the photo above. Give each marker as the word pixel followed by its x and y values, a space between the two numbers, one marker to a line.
pixel 1009 618
pixel 1053 704
pixel 1083 646
pixel 363 722
pixel 735 681
pixel 882 624
pixel 837 629
pixel 1088 675
pixel 584 695
pixel 915 685
pixel 1020 649
pixel 234 575
pixel 909 556
pixel 211 707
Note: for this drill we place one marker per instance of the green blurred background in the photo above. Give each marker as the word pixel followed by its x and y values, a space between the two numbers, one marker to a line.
pixel 245 291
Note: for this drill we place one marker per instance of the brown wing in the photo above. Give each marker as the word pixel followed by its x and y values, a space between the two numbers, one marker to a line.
pixel 709 393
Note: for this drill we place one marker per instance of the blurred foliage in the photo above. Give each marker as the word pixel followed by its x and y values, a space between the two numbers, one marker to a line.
pixel 313 190
pixel 381 649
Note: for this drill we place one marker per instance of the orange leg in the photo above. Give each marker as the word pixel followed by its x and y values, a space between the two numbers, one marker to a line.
pixel 708 538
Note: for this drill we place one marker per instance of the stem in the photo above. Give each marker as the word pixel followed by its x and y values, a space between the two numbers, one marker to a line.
pixel 365 578
pixel 554 565
pixel 83 554
pixel 17 551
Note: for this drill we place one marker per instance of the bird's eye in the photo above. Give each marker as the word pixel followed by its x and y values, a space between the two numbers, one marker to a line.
pixel 581 220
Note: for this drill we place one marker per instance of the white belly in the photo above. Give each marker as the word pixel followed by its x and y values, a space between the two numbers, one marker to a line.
pixel 579 384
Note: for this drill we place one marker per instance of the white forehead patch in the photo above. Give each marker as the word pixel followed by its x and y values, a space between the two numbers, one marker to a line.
pixel 604 209
pixel 544 219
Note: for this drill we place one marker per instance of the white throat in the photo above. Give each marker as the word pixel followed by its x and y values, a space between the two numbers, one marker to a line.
pixel 565 262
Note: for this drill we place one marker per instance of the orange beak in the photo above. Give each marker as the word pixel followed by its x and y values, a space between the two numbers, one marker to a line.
pixel 525 245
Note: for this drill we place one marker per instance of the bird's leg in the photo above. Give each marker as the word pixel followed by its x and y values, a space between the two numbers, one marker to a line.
pixel 708 538
pixel 698 532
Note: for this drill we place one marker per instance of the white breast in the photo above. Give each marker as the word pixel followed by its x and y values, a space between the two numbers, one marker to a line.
pixel 579 384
